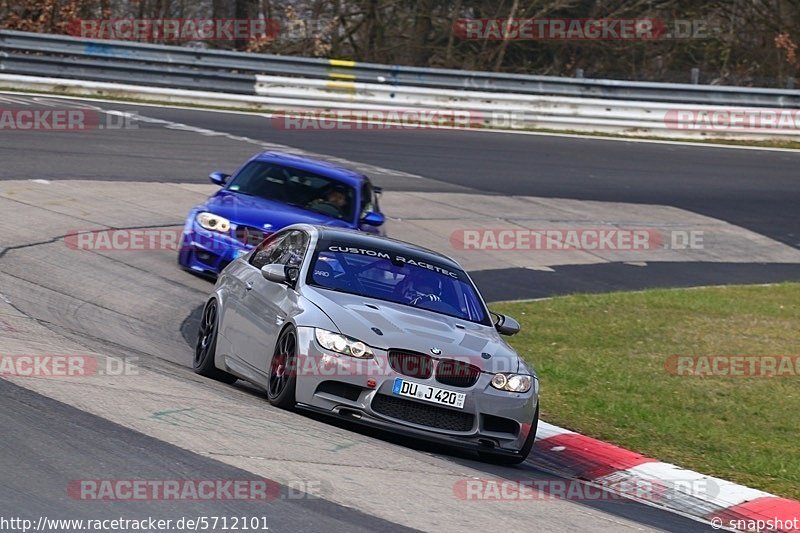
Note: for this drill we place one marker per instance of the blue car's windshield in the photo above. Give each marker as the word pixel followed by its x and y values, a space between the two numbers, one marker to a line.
pixel 296 187
pixel 396 276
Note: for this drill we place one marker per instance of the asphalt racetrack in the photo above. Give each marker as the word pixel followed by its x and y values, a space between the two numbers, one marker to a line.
pixel 165 422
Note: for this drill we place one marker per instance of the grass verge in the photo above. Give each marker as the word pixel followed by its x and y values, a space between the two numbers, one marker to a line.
pixel 602 361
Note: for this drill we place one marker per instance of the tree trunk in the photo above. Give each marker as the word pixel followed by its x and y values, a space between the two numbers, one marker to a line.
pixel 501 54
pixel 422 28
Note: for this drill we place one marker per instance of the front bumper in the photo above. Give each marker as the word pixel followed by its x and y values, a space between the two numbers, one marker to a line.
pixel 208 252
pixel 490 420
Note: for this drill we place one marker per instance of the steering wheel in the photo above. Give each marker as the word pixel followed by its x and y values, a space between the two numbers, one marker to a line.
pixel 426 298
pixel 432 302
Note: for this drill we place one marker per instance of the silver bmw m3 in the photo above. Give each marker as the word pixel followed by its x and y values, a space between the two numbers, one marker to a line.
pixel 374 330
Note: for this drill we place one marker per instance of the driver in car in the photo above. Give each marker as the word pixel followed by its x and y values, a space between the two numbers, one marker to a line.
pixel 421 287
pixel 334 200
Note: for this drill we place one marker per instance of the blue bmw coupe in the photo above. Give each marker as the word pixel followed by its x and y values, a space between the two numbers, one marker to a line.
pixel 270 191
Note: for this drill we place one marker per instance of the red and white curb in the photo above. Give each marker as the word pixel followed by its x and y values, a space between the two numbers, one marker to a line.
pixel 722 503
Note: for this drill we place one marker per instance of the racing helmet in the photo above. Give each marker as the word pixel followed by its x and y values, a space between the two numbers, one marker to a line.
pixel 422 284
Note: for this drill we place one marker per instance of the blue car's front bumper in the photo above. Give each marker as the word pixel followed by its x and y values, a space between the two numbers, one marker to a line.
pixel 208 252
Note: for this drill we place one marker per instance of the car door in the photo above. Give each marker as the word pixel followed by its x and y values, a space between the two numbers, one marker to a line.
pixel 268 304
pixel 242 278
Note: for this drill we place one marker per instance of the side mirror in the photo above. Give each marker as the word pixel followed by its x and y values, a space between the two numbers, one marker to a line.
pixel 218 178
pixel 505 325
pixel 373 218
pixel 280 274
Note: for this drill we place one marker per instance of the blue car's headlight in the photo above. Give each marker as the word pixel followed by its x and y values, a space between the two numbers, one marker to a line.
pixel 213 222
pixel 512 382
pixel 341 344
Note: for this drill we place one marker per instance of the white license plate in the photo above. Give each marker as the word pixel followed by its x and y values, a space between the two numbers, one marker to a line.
pixel 403 387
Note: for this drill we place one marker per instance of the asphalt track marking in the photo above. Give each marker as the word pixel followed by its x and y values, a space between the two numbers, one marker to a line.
pixel 367 169
pixel 707 144
pixel 16 101
pixel 135 304
pixel 98 448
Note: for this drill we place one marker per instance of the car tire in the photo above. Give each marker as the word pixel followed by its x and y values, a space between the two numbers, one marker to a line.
pixel 206 347
pixel 510 460
pixel 282 380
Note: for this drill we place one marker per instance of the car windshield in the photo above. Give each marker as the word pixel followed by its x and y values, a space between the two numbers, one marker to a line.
pixel 396 276
pixel 295 187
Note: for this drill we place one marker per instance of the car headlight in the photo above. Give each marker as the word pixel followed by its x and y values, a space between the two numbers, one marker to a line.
pixel 341 344
pixel 512 382
pixel 213 222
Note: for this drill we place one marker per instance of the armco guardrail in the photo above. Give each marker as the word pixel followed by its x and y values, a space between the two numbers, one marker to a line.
pixel 506 110
pixel 325 87
pixel 317 104
pixel 173 66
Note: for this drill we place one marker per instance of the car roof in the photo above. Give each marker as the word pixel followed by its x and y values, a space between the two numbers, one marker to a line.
pixel 316 166
pixel 358 238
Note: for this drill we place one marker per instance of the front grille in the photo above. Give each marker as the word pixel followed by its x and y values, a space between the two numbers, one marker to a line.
pixel 422 414
pixel 415 365
pixel 457 373
pixel 248 235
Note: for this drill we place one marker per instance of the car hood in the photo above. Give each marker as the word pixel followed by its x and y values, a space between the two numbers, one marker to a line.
pixel 412 329
pixel 260 212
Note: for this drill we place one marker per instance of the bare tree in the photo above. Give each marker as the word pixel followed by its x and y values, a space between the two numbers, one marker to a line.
pixel 746 42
